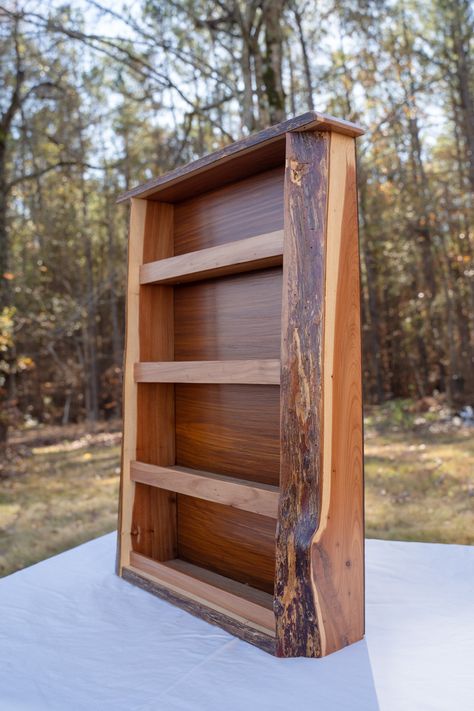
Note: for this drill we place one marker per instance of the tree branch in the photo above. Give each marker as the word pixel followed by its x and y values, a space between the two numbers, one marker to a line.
pixel 43 171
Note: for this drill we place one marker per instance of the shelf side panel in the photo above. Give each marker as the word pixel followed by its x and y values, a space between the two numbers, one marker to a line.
pixel 154 510
pixel 138 211
pixel 306 188
pixel 319 587
pixel 338 546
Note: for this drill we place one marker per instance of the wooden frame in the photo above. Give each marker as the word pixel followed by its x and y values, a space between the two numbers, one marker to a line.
pixel 241 496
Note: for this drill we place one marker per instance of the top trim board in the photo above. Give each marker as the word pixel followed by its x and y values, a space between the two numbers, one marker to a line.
pixel 268 151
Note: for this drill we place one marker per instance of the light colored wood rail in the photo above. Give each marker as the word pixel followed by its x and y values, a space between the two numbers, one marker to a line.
pixel 154 520
pixel 248 496
pixel 241 602
pixel 234 257
pixel 132 353
pixel 253 372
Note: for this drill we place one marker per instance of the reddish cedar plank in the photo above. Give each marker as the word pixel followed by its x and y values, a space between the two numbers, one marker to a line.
pixel 338 546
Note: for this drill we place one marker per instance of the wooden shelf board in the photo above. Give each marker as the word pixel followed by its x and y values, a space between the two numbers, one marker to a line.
pixel 245 372
pixel 237 600
pixel 239 256
pixel 248 496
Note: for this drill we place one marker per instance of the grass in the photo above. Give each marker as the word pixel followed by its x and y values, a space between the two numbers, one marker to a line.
pixel 56 491
pixel 59 486
pixel 419 476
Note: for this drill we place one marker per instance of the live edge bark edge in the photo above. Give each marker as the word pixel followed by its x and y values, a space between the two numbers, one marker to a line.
pixel 306 187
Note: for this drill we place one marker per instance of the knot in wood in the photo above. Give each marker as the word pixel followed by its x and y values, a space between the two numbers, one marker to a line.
pixel 298 171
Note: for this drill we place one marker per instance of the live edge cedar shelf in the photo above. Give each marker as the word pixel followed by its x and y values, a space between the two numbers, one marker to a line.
pixel 241 493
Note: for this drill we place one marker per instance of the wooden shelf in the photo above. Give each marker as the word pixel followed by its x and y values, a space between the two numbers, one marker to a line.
pixel 234 257
pixel 245 372
pixel 240 601
pixel 248 496
pixel 243 359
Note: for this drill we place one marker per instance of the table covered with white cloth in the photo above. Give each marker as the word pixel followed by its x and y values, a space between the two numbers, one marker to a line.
pixel 74 637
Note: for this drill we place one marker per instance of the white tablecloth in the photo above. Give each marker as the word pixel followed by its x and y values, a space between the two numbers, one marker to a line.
pixel 73 636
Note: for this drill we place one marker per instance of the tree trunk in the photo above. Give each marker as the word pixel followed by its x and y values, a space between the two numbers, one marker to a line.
pixel 92 371
pixel 304 52
pixel 273 59
pixel 117 346
pixel 4 237
pixel 248 116
pixel 374 344
pixel 461 33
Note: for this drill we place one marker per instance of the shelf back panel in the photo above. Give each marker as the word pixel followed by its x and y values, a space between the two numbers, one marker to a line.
pixel 237 544
pixel 244 209
pixel 231 318
pixel 229 429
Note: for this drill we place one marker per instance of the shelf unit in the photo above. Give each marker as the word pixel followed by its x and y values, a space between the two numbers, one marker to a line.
pixel 241 484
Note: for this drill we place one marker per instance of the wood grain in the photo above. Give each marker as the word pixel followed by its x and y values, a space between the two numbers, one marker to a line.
pixel 258 597
pixel 251 154
pixel 154 522
pixel 258 498
pixel 159 226
pixel 241 210
pixel 229 318
pixel 230 429
pixel 306 184
pixel 205 460
pixel 338 545
pixel 237 544
pixel 256 372
pixel 319 586
pixel 154 510
pixel 211 589
pixel 138 211
pixel 235 257
pixel 234 626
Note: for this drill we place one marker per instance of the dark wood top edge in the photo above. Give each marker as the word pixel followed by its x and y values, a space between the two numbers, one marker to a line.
pixel 311 120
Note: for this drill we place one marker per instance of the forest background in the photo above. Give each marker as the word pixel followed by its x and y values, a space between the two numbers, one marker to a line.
pixel 97 97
